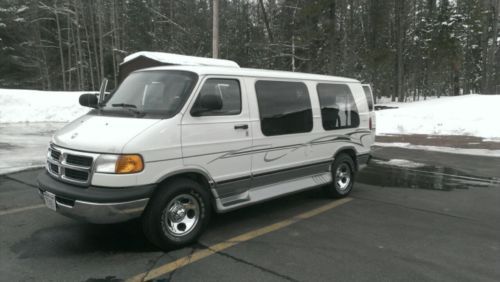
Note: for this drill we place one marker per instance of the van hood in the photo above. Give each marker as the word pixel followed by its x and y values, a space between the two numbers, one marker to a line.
pixel 101 134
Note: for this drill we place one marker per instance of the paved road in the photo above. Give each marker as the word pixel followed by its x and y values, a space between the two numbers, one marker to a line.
pixel 434 222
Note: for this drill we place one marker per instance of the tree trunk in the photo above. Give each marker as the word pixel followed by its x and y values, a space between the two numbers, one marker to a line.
pixel 101 47
pixel 59 39
pixel 94 45
pixel 79 48
pixel 332 38
pixel 398 84
pixel 266 21
pixel 89 52
pixel 70 72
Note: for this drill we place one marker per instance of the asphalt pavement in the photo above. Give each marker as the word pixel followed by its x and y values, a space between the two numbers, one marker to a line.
pixel 432 219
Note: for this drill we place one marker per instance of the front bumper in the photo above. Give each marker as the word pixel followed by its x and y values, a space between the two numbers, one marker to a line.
pixel 96 204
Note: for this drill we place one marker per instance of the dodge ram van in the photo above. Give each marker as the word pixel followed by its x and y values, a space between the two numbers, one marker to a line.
pixel 173 144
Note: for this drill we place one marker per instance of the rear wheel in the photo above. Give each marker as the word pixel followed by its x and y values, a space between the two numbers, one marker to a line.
pixel 342 177
pixel 177 214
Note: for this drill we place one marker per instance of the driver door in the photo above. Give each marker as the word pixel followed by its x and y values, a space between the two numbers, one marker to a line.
pixel 214 140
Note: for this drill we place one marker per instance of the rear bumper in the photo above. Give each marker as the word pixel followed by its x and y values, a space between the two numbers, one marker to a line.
pixel 96 204
pixel 363 160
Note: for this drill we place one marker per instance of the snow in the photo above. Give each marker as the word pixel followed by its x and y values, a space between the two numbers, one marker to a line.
pixel 39 106
pixel 23 147
pixel 473 115
pixel 399 163
pixel 461 151
pixel 177 59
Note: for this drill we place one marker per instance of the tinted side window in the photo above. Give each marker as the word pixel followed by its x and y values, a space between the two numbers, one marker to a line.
pixel 284 107
pixel 338 109
pixel 369 97
pixel 229 92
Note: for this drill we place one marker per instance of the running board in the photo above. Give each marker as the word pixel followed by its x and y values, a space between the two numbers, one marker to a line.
pixel 263 193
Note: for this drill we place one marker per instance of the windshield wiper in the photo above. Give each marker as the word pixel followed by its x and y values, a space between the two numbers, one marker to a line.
pixel 130 107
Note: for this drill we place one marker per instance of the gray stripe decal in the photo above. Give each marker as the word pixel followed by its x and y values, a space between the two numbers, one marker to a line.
pixel 335 138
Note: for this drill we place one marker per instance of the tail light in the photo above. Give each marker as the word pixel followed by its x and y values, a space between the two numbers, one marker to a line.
pixel 370 123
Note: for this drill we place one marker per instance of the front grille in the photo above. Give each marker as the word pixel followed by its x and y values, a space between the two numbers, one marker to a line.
pixel 79 160
pixel 76 174
pixel 70 166
pixel 54 168
pixel 55 154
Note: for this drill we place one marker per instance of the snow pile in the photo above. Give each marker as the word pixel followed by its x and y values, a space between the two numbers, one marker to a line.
pixel 39 106
pixel 473 115
pixel 451 150
pixel 24 146
pixel 399 163
pixel 177 59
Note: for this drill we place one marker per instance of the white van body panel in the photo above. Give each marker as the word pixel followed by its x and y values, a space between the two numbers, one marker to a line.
pixel 208 141
pixel 101 134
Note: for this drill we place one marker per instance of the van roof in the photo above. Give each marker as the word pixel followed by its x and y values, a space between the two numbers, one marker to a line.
pixel 211 70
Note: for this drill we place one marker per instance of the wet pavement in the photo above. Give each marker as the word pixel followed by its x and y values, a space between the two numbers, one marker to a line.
pixel 414 215
pixel 428 177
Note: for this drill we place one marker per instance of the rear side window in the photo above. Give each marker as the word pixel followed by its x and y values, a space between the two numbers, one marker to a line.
pixel 338 109
pixel 284 107
pixel 229 92
pixel 369 97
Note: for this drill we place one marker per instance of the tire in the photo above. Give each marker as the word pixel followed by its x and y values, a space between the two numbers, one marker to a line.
pixel 177 214
pixel 342 177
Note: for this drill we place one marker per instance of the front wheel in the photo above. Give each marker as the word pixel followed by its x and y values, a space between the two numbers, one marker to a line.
pixel 177 214
pixel 342 177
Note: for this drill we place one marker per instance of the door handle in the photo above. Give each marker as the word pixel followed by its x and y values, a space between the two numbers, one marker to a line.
pixel 241 126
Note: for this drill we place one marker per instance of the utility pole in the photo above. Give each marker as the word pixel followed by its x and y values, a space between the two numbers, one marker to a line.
pixel 215 29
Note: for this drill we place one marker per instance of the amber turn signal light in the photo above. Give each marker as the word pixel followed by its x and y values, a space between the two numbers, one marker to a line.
pixel 129 164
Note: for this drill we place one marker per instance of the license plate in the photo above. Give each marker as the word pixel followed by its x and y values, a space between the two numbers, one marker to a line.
pixel 50 200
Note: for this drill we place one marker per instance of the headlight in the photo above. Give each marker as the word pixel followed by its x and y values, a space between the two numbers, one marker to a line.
pixel 120 164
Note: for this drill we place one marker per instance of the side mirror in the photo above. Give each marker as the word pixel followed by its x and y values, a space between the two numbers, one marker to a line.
pixel 88 100
pixel 207 103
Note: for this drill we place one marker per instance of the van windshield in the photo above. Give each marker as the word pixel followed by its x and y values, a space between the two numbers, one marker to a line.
pixel 153 94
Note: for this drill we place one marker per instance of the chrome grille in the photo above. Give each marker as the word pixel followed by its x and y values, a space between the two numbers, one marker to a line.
pixel 79 160
pixel 70 166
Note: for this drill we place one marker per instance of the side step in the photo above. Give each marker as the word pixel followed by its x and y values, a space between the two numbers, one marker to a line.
pixel 263 193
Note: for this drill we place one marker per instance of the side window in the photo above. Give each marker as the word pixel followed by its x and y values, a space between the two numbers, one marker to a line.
pixel 338 109
pixel 369 96
pixel 227 91
pixel 284 107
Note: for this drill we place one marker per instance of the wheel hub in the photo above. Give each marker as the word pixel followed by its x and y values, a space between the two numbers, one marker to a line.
pixel 181 215
pixel 343 176
pixel 177 213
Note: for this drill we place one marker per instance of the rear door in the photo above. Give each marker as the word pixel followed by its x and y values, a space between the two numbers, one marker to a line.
pixel 213 141
pixel 371 104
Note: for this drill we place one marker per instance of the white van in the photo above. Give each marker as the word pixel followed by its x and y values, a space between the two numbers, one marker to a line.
pixel 174 143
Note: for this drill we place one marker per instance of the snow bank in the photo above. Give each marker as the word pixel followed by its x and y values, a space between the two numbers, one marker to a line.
pixel 177 59
pixel 473 115
pixel 39 106
pixel 460 151
pixel 399 163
